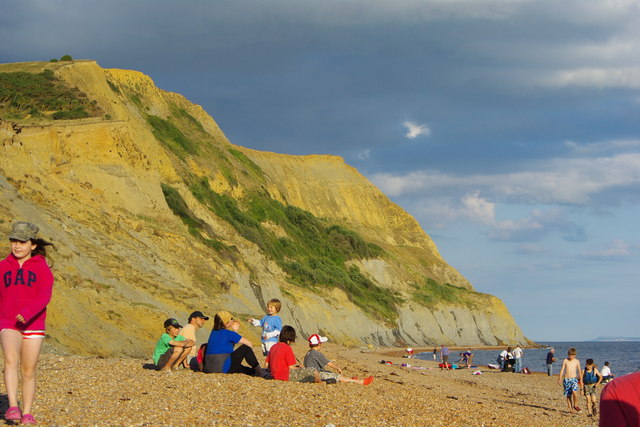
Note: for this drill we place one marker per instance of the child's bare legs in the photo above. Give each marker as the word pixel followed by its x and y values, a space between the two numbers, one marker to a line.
pixel 183 353
pixel 569 403
pixel 11 346
pixel 365 381
pixel 177 355
pixel 29 361
pixel 591 404
pixel 574 395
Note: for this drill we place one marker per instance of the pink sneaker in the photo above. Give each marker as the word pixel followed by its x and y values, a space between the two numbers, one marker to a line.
pixel 28 419
pixel 13 414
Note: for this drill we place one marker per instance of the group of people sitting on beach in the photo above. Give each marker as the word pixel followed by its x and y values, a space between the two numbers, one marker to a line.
pixel 177 348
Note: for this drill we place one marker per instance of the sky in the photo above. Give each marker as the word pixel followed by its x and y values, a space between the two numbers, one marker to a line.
pixel 510 129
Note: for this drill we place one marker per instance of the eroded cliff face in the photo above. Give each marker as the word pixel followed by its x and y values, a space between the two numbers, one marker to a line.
pixel 124 261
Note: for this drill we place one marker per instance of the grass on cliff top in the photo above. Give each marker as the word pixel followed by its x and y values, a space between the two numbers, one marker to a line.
pixel 313 254
pixel 431 294
pixel 42 96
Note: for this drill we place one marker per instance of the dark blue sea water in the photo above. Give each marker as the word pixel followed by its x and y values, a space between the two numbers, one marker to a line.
pixel 623 356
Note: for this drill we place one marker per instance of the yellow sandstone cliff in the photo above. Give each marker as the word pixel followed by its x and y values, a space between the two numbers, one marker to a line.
pixel 124 261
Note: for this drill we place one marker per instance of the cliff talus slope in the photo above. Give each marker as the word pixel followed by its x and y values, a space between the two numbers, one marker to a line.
pixel 154 213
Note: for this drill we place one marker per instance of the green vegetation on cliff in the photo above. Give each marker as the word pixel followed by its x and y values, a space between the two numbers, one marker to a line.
pixel 42 95
pixel 313 253
pixel 431 293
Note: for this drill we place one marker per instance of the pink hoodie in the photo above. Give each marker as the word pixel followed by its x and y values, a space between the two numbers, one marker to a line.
pixel 24 290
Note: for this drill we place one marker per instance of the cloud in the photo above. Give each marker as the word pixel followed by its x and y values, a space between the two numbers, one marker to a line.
pixel 576 181
pixel 625 78
pixel 479 209
pixel 364 154
pixel 617 145
pixel 530 248
pixel 617 249
pixel 536 226
pixel 414 130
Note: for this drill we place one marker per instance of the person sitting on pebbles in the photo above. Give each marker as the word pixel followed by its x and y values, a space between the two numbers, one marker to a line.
pixel 220 356
pixel 172 348
pixel 315 359
pixel 283 363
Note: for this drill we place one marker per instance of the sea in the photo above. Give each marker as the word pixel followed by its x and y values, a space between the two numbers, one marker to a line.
pixel 623 356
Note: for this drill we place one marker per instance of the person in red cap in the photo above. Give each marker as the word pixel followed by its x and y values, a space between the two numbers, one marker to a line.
pixel 315 359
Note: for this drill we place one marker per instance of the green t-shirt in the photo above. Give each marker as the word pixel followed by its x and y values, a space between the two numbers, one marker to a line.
pixel 163 345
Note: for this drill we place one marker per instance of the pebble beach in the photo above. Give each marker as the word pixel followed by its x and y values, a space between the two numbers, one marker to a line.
pixel 74 390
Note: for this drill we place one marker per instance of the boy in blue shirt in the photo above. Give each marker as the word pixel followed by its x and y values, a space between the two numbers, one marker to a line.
pixel 271 325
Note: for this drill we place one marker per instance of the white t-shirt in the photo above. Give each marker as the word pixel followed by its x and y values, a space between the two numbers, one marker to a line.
pixel 605 371
pixel 517 353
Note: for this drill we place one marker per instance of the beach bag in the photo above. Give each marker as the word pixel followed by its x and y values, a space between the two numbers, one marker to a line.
pixel 526 370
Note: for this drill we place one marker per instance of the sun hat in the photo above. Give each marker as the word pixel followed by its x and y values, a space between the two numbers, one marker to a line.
pixel 225 316
pixel 316 339
pixel 24 231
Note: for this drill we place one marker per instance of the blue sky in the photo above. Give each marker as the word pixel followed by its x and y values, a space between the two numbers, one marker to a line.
pixel 510 129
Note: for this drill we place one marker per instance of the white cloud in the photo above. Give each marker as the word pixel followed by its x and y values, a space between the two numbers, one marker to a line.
pixel 598 77
pixel 479 209
pixel 414 130
pixel 364 154
pixel 567 181
pixel 617 249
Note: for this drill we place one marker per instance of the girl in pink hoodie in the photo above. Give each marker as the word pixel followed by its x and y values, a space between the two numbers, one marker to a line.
pixel 25 292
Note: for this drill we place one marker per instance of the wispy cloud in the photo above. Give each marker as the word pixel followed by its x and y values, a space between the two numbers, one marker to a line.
pixel 536 226
pixel 364 154
pixel 415 130
pixel 530 248
pixel 566 181
pixel 616 250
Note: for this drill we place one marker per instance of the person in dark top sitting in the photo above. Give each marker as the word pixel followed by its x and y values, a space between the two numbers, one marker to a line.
pixel 220 356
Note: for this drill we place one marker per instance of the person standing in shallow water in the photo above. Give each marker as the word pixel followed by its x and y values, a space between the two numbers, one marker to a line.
pixel 24 296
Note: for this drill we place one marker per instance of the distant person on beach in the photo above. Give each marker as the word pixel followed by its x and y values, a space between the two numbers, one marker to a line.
pixel 505 359
pixel 444 357
pixel 551 358
pixel 435 353
pixel 172 348
pixel 196 321
pixel 591 378
pixel 518 354
pixel 220 356
pixel 571 377
pixel 606 373
pixel 283 363
pixel 620 402
pixel 24 296
pixel 466 358
pixel 317 360
pixel 271 325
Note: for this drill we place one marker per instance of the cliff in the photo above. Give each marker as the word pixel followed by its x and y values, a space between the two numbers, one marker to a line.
pixel 154 213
